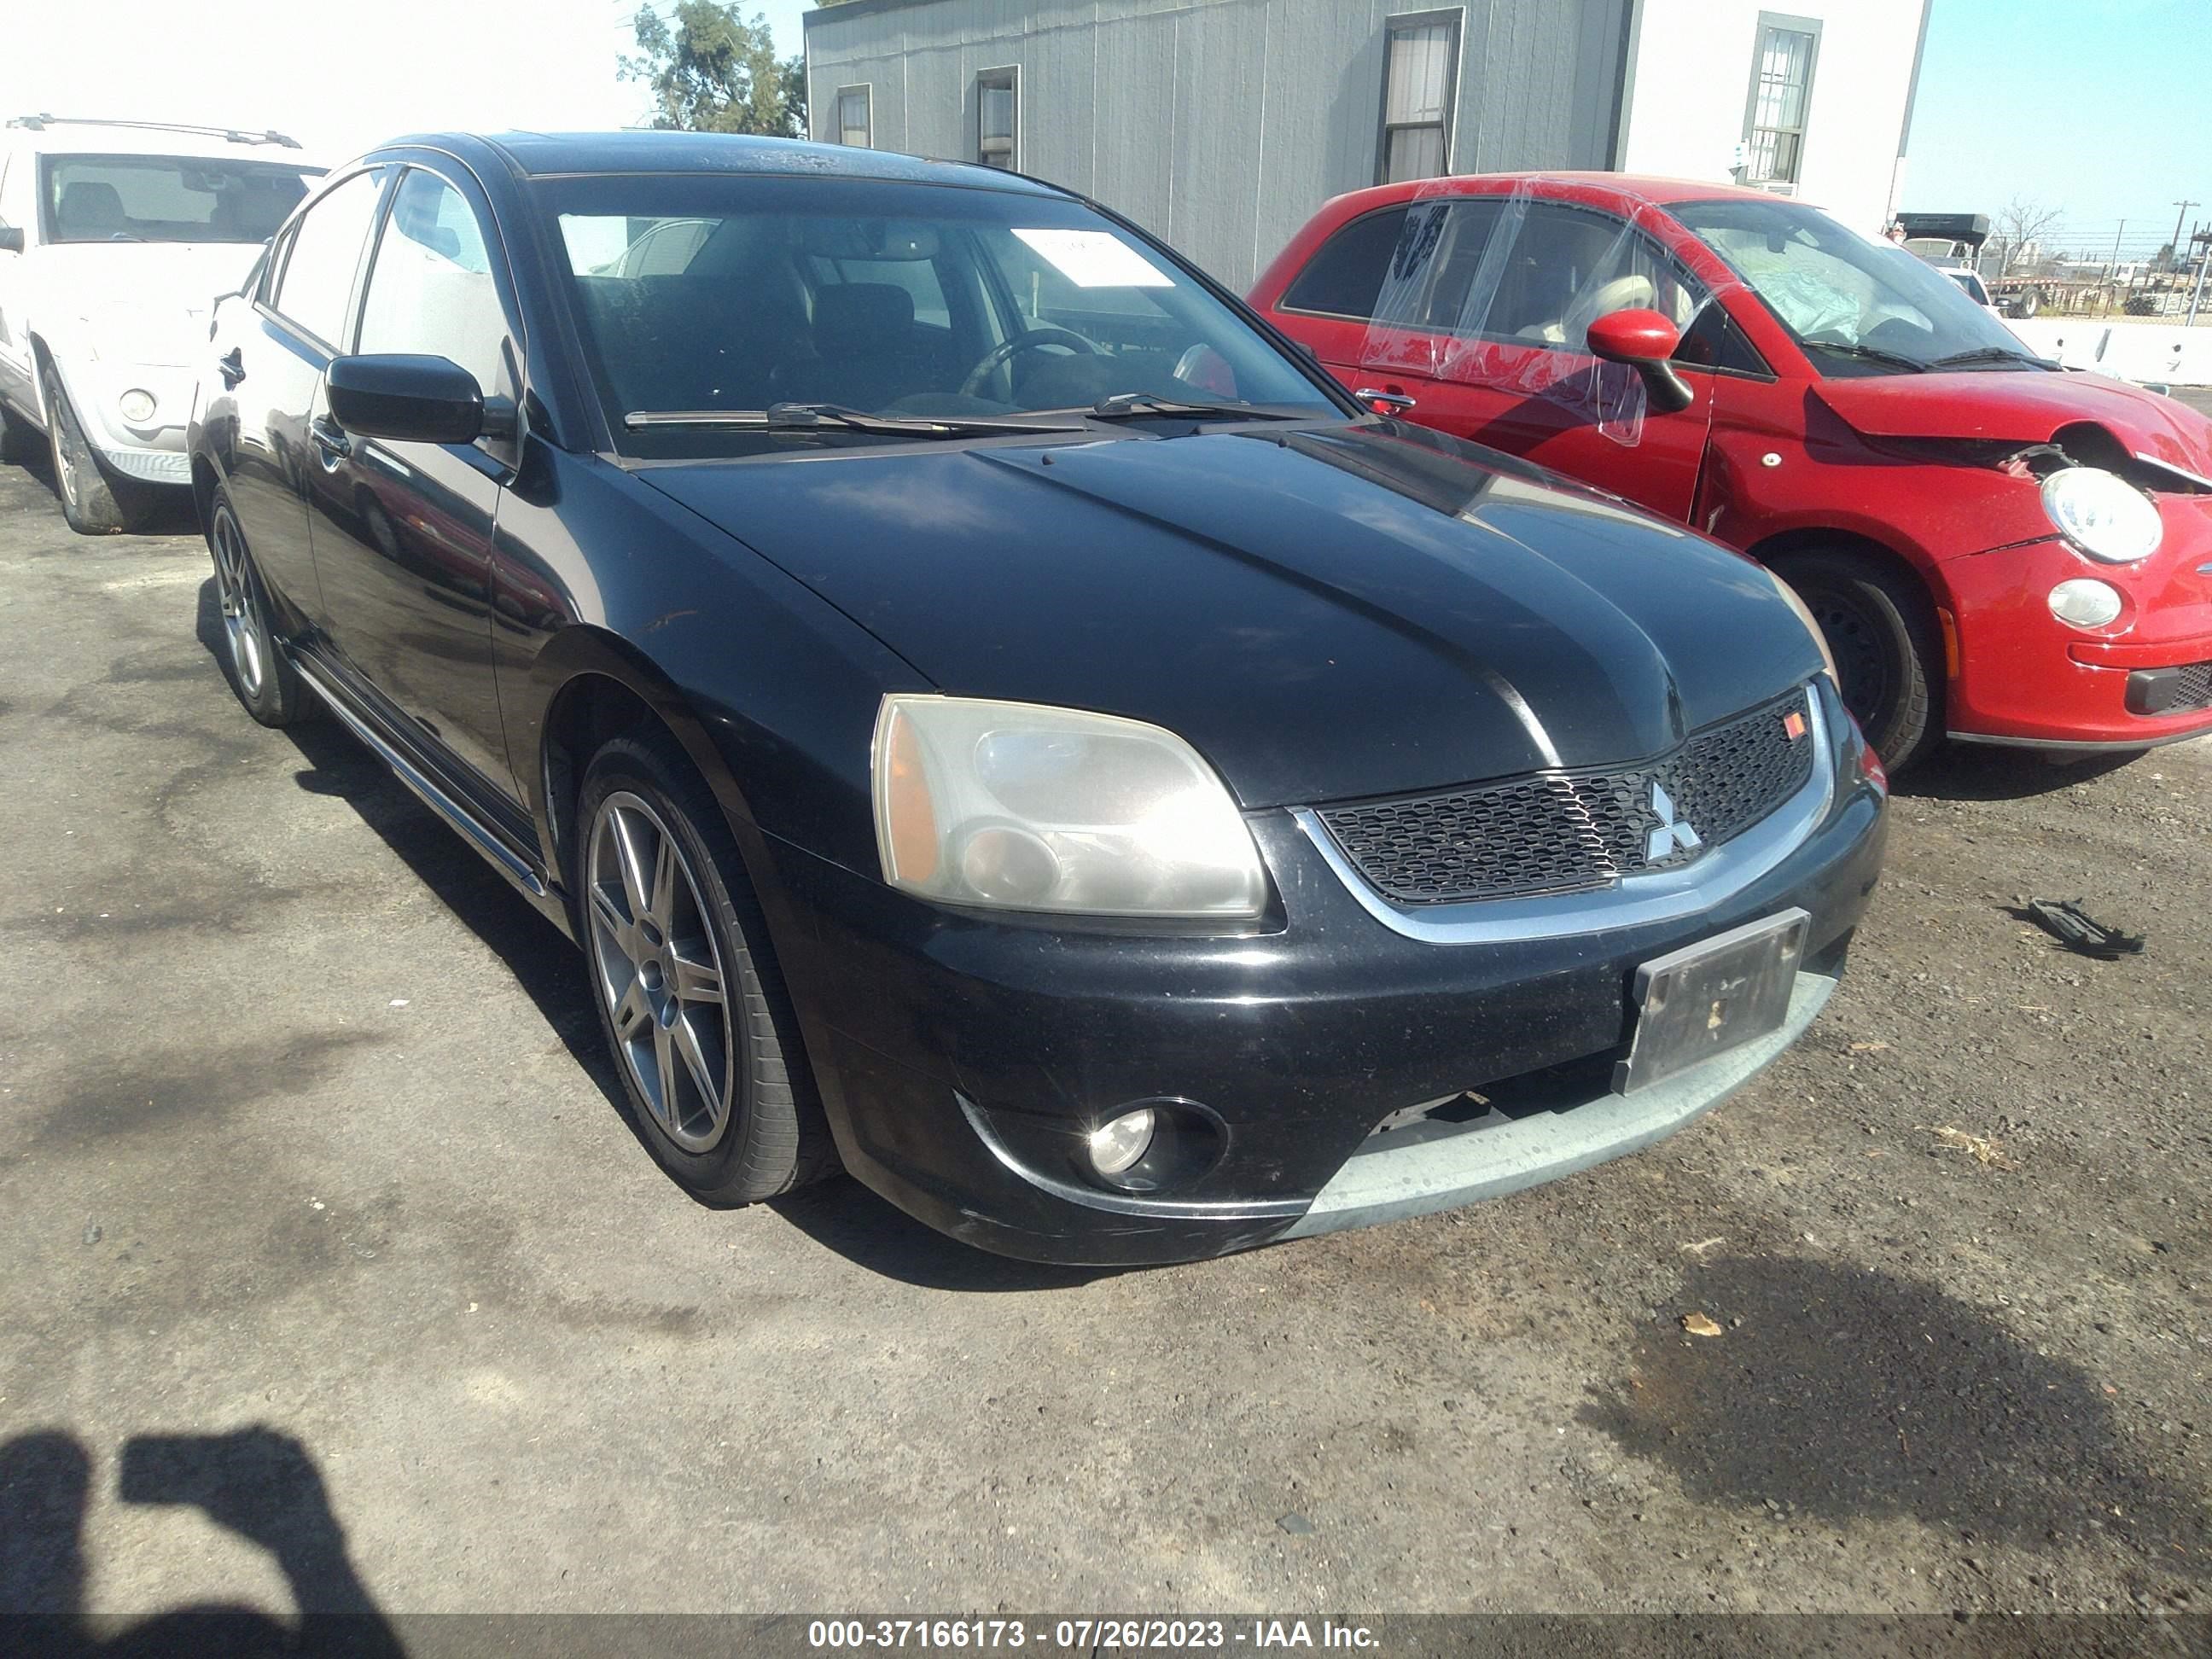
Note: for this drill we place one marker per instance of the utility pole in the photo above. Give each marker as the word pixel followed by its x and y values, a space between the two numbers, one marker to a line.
pixel 2184 206
pixel 2203 240
pixel 2116 246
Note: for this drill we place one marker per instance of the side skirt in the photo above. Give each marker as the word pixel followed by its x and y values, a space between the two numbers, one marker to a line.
pixel 522 868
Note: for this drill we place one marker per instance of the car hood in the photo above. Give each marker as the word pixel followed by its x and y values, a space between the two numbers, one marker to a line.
pixel 1326 612
pixel 166 291
pixel 2018 407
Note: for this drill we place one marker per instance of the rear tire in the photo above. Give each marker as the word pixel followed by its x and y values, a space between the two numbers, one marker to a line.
pixel 1882 632
pixel 93 501
pixel 690 1001
pixel 253 661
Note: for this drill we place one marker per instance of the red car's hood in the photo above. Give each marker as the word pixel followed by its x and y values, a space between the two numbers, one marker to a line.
pixel 2022 407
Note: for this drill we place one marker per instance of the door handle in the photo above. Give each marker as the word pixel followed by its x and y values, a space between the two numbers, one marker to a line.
pixel 231 366
pixel 331 439
pixel 1384 403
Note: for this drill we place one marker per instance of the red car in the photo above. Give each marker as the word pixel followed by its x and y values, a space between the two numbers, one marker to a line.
pixel 1996 549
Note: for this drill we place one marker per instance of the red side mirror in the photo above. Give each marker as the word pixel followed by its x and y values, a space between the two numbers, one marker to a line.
pixel 1634 336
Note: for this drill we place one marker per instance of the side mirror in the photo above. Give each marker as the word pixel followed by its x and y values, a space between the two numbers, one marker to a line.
pixel 410 399
pixel 1645 341
pixel 11 239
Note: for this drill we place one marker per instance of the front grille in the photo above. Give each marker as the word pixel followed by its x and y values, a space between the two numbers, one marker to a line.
pixel 2194 689
pixel 1576 831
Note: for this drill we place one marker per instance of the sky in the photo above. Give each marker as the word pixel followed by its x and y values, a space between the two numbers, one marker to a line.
pixel 2098 107
pixel 339 77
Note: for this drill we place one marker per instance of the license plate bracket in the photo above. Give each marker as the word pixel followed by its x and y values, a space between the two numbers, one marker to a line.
pixel 1708 997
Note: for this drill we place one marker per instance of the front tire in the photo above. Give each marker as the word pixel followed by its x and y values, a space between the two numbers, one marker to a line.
pixel 93 501
pixel 1882 630
pixel 686 988
pixel 261 676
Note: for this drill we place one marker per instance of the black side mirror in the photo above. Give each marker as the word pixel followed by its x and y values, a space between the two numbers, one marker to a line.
pixel 11 239
pixel 411 399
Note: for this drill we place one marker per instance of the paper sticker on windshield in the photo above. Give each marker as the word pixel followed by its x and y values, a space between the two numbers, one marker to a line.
pixel 1096 259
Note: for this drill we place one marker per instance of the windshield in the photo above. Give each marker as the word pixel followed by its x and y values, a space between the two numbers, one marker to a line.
pixel 885 299
pixel 1858 305
pixel 167 198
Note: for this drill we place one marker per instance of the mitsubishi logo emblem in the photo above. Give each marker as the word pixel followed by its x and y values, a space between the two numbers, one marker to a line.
pixel 1674 835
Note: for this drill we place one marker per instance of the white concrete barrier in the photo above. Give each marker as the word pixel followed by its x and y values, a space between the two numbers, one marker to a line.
pixel 2129 349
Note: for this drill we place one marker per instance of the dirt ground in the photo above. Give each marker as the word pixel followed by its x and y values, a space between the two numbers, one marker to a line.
pixel 334 1279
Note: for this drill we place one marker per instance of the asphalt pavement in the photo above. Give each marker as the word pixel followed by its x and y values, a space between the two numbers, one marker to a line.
pixel 334 1277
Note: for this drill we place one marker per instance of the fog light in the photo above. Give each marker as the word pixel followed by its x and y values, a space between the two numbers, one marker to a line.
pixel 136 404
pixel 1115 1146
pixel 2085 602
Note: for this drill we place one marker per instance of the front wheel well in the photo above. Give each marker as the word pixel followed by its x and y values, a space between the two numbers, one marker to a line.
pixel 588 712
pixel 203 487
pixel 1777 551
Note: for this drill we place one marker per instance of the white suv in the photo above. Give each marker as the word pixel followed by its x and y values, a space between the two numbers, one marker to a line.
pixel 115 238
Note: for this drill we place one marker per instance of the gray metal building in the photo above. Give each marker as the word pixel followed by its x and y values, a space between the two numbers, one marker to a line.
pixel 1221 124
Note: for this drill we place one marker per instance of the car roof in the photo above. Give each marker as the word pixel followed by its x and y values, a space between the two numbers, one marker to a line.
pixel 1652 190
pixel 541 155
pixel 50 136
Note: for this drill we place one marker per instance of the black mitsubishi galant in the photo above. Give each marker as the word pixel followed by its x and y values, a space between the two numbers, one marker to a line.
pixel 995 716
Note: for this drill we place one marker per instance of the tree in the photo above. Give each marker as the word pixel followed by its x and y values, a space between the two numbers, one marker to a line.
pixel 2020 226
pixel 712 71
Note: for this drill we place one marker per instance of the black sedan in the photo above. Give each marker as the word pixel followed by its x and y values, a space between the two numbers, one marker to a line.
pixel 994 716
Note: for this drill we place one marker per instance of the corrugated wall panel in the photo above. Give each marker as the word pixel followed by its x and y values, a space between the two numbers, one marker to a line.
pixel 1221 124
pixel 1133 139
pixel 1215 168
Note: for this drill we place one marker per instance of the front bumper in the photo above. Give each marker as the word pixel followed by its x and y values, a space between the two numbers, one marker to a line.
pixel 963 1060
pixel 2024 678
pixel 152 451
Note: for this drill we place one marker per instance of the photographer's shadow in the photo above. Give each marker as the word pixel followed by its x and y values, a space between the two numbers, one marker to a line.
pixel 258 1483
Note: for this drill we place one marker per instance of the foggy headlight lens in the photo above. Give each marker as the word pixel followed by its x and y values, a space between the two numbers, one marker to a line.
pixel 2085 602
pixel 2102 515
pixel 1790 598
pixel 1022 807
pixel 137 406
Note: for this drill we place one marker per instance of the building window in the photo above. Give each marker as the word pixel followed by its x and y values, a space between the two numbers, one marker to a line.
pixel 997 118
pixel 1780 91
pixel 1420 68
pixel 855 124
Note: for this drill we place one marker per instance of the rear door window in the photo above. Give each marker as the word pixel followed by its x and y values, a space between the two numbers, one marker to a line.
pixel 1344 276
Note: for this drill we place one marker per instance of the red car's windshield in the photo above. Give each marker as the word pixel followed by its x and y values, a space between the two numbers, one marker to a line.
pixel 1857 306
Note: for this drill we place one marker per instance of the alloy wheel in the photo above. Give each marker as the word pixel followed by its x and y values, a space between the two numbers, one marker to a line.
pixel 242 627
pixel 658 970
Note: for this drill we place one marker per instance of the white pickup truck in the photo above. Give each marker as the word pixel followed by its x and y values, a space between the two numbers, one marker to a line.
pixel 115 239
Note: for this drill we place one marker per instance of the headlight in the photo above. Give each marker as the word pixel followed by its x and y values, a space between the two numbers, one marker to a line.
pixel 2102 515
pixel 1015 806
pixel 1790 598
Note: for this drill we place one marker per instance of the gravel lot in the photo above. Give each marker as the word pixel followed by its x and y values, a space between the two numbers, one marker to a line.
pixel 303 1126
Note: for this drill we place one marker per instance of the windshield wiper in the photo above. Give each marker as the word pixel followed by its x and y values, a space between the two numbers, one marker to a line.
pixel 1123 404
pixel 1871 354
pixel 814 417
pixel 1992 353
